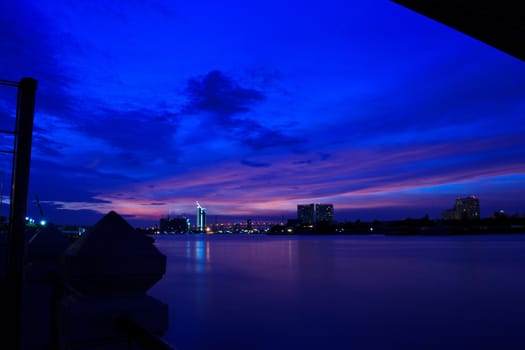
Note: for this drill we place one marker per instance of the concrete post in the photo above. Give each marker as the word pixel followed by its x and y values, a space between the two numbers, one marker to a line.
pixel 43 253
pixel 110 268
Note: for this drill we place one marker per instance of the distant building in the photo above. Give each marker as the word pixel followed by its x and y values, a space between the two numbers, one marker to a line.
pixel 174 225
pixel 201 218
pixel 236 228
pixel 466 208
pixel 306 214
pixel 293 223
pixel 324 213
pixel 312 214
pixel 449 214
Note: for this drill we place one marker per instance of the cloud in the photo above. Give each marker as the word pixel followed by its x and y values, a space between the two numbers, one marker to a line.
pixel 230 105
pixel 131 144
pixel 44 145
pixel 255 164
pixel 355 132
pixel 29 47
pixel 303 162
pixel 324 156
pixel 259 138
pixel 217 93
pixel 138 134
pixel 445 98
pixel 425 176
pixel 63 183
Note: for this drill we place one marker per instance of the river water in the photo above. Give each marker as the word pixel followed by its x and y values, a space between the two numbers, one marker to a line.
pixel 344 292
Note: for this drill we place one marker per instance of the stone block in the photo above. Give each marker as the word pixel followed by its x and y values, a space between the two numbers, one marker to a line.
pixel 112 259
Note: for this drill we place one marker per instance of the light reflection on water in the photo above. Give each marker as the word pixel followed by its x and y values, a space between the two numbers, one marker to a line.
pixel 344 292
pixel 198 255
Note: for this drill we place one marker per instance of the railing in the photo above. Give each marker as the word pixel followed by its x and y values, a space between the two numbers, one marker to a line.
pixel 18 205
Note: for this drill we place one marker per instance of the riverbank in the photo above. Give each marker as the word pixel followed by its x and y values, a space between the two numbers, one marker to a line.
pixel 423 226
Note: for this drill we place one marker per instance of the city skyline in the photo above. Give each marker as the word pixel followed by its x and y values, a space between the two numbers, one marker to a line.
pixel 465 209
pixel 253 108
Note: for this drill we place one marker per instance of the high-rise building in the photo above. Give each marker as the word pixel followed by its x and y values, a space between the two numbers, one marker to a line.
pixel 310 214
pixel 467 208
pixel 174 225
pixel 305 214
pixel 324 213
pixel 201 218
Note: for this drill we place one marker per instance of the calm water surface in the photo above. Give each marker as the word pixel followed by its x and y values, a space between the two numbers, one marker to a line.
pixel 344 292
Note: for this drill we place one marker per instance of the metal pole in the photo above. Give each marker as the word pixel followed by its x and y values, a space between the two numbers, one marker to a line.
pixel 19 189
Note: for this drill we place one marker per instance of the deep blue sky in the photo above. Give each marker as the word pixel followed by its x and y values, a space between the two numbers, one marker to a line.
pixel 144 107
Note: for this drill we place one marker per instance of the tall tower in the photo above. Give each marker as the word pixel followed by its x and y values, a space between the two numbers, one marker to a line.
pixel 305 214
pixel 467 208
pixel 324 212
pixel 201 218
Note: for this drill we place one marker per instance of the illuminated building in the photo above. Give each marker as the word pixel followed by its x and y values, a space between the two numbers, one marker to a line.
pixel 305 214
pixel 236 227
pixel 324 213
pixel 201 218
pixel 466 208
pixel 174 225
pixel 310 214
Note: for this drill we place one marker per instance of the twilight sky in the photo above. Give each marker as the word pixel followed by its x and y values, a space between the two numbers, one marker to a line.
pixel 252 107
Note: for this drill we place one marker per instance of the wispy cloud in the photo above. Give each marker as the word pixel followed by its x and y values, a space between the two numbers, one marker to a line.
pixel 363 183
pixel 255 164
